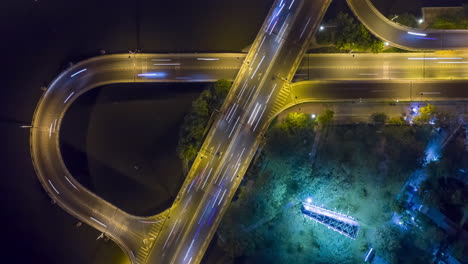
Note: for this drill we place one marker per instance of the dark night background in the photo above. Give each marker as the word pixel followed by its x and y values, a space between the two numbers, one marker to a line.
pixel 39 38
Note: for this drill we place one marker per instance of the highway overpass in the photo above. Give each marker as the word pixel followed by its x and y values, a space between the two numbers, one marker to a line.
pixel 405 37
pixel 136 235
pixel 394 73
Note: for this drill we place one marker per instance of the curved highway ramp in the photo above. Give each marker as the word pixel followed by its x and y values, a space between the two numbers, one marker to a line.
pixel 405 37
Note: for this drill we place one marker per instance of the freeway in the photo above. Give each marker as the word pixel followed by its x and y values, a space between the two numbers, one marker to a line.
pixel 73 82
pixel 232 140
pixel 86 75
pixel 405 37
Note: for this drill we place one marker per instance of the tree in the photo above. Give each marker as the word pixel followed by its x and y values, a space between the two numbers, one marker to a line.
pixel 407 19
pixel 295 121
pixel 379 118
pixel 326 117
pixel 221 89
pixel 426 113
pixel 396 120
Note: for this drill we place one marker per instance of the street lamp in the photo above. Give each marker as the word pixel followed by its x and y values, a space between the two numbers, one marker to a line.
pixel 313 116
pixel 420 21
pixel 321 28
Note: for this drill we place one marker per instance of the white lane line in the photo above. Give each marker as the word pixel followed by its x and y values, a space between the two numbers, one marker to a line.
pixel 208 59
pixel 206 179
pixel 237 120
pixel 250 96
pixel 212 206
pixel 78 72
pixel 55 124
pixel 50 129
pixel 204 211
pixel 170 233
pixel 224 174
pixel 222 196
pixel 97 221
pixel 258 121
pixel 71 183
pixel 261 43
pixel 242 91
pixel 454 62
pixel 68 98
pixel 274 87
pixel 240 156
pixel 167 64
pixel 258 66
pixel 251 114
pixel 55 189
pixel 235 172
pixel 191 244
pixel 255 116
pixel 302 33
pixel 233 112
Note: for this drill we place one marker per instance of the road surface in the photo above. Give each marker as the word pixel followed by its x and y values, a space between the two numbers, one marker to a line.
pixel 405 37
pixel 204 67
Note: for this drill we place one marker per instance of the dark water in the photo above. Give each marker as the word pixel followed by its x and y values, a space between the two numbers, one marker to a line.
pixel 120 142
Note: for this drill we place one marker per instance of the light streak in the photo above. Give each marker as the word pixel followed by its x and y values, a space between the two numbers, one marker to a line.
pixel 78 72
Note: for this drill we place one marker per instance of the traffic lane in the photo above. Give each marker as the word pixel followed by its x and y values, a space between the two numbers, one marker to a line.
pixel 403 35
pixel 380 90
pixel 257 65
pixel 216 201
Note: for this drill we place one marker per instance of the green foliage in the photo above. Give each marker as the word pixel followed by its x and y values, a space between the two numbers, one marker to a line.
pixel 195 122
pixel 426 113
pixel 456 21
pixel 406 19
pixel 396 121
pixel 379 118
pixel 326 117
pixel 348 34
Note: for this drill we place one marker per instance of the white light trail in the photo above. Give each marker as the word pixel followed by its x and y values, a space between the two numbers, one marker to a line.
pixel 208 59
pixel 453 62
pixel 258 121
pixel 291 4
pixel 258 66
pixel 68 98
pixel 191 244
pixel 71 183
pixel 170 233
pixel 302 33
pixel 251 114
pixel 53 187
pixel 206 179
pixel 417 34
pixel 167 64
pixel 161 59
pixel 97 221
pixel 274 87
pixel 78 72
pixel 237 120
pixel 222 196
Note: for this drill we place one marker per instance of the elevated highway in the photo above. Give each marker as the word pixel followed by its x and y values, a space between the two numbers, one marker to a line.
pixel 405 37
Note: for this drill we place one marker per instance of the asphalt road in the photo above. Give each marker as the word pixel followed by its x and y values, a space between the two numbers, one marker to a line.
pixel 135 234
pixel 404 37
pixel 232 140
pixel 209 67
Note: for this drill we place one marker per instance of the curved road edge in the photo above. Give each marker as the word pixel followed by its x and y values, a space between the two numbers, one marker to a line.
pixel 405 37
